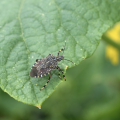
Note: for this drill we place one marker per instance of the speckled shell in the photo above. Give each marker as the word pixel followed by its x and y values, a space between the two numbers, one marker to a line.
pixel 42 67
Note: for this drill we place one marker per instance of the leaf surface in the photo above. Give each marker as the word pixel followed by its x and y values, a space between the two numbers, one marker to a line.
pixel 32 29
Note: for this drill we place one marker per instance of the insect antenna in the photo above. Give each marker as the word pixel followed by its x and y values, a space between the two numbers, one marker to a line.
pixel 70 61
pixel 63 52
pixel 64 47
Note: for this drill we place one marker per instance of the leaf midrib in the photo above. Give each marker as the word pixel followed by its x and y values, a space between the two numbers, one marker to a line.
pixel 23 38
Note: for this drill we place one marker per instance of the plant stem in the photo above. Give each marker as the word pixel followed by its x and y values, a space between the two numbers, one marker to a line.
pixel 111 42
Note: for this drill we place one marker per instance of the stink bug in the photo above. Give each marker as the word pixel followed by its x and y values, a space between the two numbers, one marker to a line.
pixel 44 66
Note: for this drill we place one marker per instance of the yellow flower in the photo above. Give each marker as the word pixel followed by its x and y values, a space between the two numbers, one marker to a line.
pixel 112 53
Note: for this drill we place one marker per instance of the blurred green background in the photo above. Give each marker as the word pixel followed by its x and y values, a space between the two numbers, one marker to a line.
pixel 91 92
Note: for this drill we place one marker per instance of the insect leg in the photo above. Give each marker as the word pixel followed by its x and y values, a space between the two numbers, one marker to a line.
pixel 47 82
pixel 59 75
pixel 62 72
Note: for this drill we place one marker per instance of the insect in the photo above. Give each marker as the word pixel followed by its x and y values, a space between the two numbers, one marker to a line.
pixel 44 66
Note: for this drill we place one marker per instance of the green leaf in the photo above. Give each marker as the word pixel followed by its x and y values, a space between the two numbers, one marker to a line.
pixel 32 29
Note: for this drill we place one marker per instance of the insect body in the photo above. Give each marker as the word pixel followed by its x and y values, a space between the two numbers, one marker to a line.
pixel 44 66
